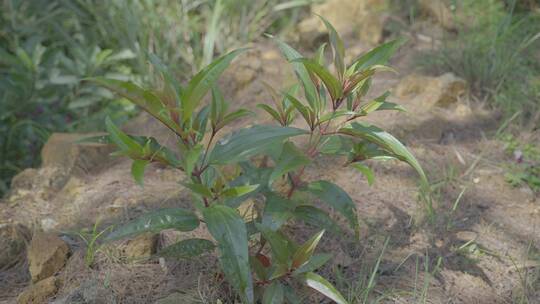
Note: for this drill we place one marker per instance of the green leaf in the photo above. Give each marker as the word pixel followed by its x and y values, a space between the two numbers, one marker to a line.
pixel 377 56
pixel 337 145
pixel 232 117
pixel 121 139
pixel 155 221
pixel 316 262
pixel 203 81
pixel 153 151
pixel 187 248
pixel 191 157
pixel 270 111
pixel 306 112
pixel 317 218
pixel 310 91
pixel 278 244
pixel 238 191
pixel 321 285
pixel 245 143
pixel 366 171
pixel 330 82
pixel 319 55
pixel 337 47
pixel 278 271
pixel 291 296
pixel 304 252
pixel 218 106
pixel 145 99
pixel 277 210
pixel 273 294
pixel 137 170
pixel 291 158
pixel 199 189
pixel 172 85
pixel 335 114
pixel 387 142
pixel 380 104
pixel 337 198
pixel 356 81
pixel 229 230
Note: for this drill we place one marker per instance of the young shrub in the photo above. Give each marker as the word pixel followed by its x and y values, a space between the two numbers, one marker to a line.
pixel 257 257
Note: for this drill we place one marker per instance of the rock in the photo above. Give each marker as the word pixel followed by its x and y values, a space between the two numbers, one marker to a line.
pixel 142 246
pixel 89 292
pixel 466 236
pixel 363 18
pixel 24 180
pixel 62 150
pixel 39 292
pixel 429 91
pixel 439 11
pixel 47 254
pixel 13 239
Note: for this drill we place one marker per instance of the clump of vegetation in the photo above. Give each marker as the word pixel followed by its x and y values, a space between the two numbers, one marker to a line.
pixel 257 256
pixel 47 47
pixel 494 51
pixel 525 167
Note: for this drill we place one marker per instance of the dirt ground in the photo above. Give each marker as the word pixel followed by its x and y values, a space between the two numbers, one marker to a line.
pixel 480 245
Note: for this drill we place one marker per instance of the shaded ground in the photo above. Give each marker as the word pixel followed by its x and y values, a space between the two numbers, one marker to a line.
pixel 479 246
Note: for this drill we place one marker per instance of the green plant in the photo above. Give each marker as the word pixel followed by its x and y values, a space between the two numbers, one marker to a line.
pixel 524 169
pixel 45 50
pixel 48 46
pixel 91 239
pixel 257 256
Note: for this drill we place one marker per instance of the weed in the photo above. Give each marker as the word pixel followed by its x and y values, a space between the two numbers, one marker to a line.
pixel 258 259
pixel 524 168
pixel 493 51
pixel 91 239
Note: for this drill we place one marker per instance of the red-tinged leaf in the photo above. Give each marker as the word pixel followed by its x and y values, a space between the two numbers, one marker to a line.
pixel 304 252
pixel 265 261
pixel 330 82
pixel 338 48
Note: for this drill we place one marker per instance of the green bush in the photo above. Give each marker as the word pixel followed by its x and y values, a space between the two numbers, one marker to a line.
pixel 45 50
pixel 494 50
pixel 47 47
pixel 260 261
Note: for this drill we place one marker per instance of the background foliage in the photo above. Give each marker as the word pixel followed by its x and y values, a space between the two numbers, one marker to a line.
pixel 495 48
pixel 47 47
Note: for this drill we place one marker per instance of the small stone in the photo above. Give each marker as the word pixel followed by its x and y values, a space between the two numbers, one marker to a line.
pixel 39 292
pixel 142 246
pixel 364 19
pixel 47 255
pixel 13 240
pixel 466 236
pixel 441 91
pixel 89 292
